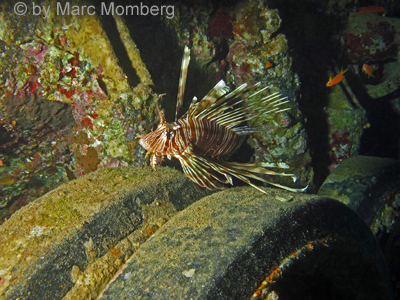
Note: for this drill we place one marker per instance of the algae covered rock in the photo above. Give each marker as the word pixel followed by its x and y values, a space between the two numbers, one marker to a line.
pixel 75 238
pixel 118 233
pixel 241 244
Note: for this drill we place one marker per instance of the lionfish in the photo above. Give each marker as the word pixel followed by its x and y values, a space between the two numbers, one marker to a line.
pixel 210 129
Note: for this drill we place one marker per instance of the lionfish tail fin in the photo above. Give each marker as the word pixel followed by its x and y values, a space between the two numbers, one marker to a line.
pixel 182 80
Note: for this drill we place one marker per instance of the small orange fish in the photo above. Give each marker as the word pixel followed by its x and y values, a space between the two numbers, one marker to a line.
pixel 268 64
pixel 338 78
pixel 370 9
pixel 367 69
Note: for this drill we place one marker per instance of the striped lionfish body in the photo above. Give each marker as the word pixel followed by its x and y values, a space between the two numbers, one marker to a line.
pixel 210 129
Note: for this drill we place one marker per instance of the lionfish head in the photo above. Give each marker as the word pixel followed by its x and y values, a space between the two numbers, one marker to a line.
pixel 150 141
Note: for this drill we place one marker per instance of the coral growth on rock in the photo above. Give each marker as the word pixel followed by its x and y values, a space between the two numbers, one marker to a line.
pixel 56 85
pixel 371 38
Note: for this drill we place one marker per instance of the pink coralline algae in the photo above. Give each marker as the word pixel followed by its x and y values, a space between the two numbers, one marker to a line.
pixel 40 56
pixel 283 119
pixel 32 49
pixel 340 148
pixel 100 71
pixel 36 50
pixel 236 59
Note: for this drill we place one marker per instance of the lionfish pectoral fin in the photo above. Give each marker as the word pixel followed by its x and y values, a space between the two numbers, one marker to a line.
pixel 207 172
pixel 229 178
pixel 261 168
pixel 276 196
pixel 245 179
pixel 198 170
pixel 246 171
pixel 249 170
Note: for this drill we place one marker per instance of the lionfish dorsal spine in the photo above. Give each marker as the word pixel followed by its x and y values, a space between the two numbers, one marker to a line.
pixel 259 91
pixel 218 90
pixel 182 80
pixel 218 107
pixel 215 93
pixel 192 105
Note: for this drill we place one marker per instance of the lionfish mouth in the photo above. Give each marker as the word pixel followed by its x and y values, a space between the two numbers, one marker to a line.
pixel 212 128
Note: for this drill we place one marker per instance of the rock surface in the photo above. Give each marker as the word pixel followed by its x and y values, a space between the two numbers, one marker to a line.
pixel 371 187
pixel 75 238
pixel 115 233
pixel 224 246
pixel 358 182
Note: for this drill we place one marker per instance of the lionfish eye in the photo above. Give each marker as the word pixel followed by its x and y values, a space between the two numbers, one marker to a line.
pixel 168 134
